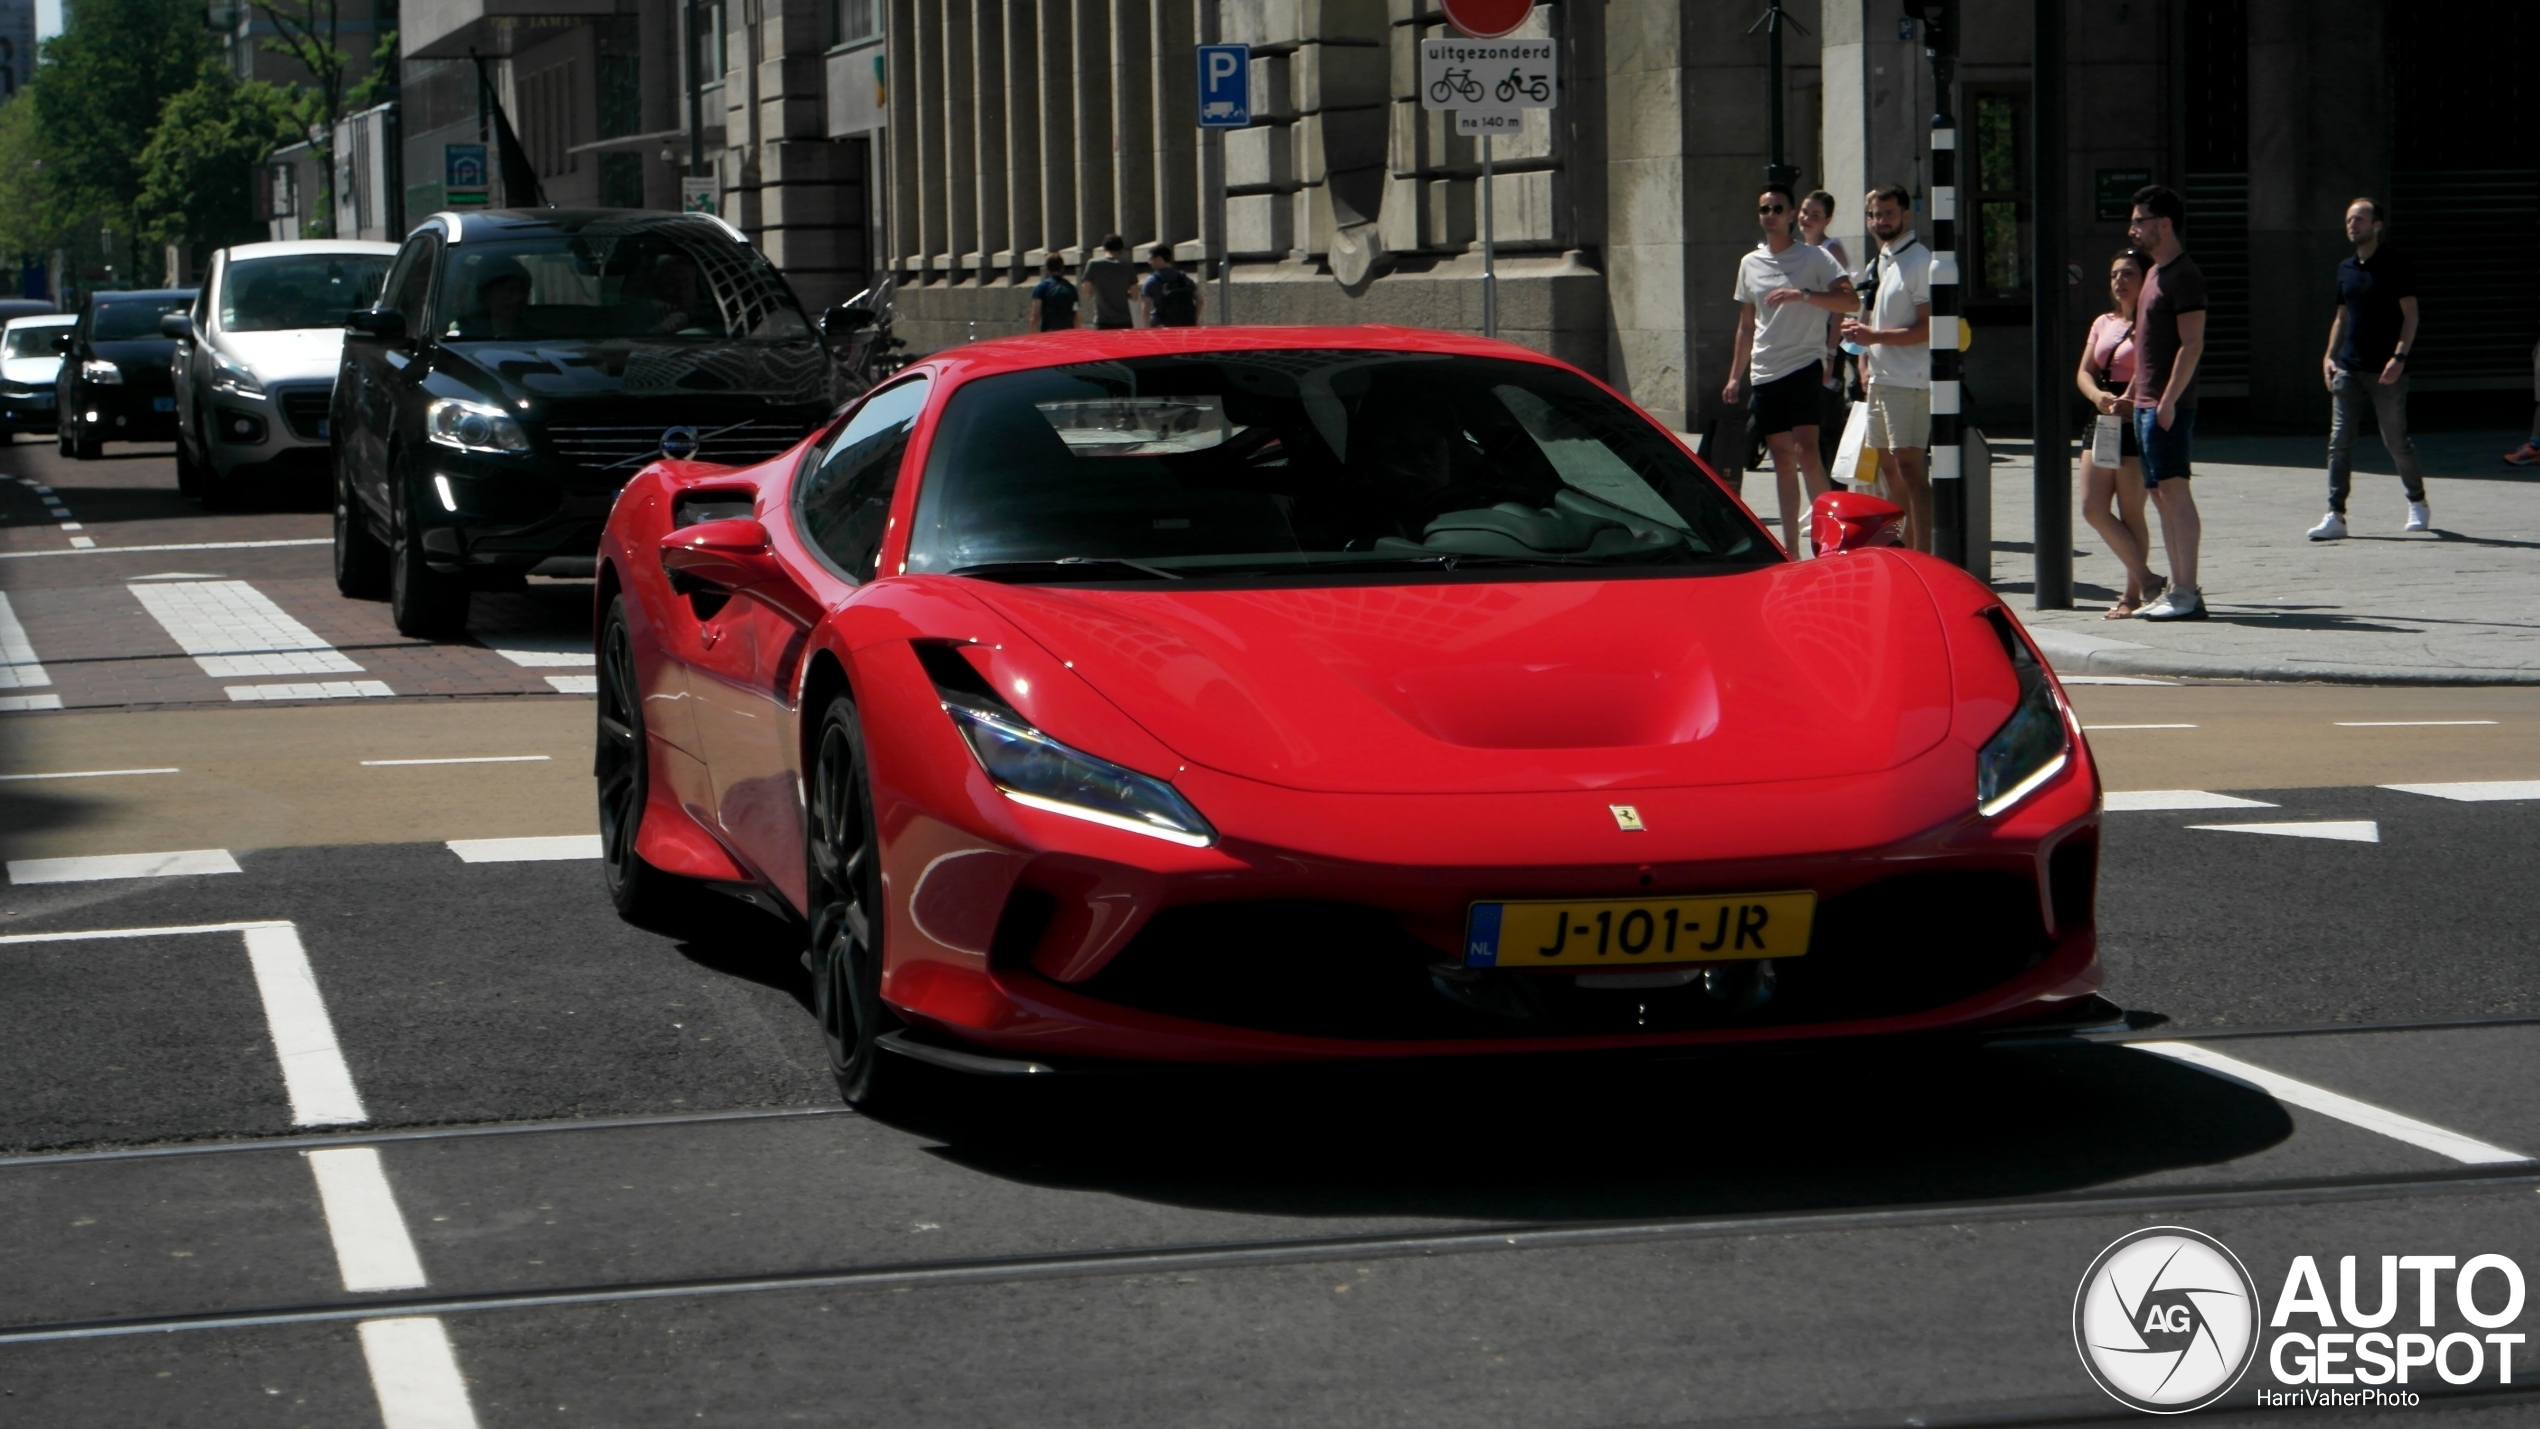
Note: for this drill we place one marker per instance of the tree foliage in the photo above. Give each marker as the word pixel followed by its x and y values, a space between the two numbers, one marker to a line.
pixel 98 95
pixel 198 173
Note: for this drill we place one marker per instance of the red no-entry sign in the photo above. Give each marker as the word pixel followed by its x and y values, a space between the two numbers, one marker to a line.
pixel 1487 19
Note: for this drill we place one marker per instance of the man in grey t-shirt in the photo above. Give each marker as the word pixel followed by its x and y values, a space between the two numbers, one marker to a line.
pixel 1787 291
pixel 1108 282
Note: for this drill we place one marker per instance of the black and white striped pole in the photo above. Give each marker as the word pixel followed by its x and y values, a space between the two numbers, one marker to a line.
pixel 1948 486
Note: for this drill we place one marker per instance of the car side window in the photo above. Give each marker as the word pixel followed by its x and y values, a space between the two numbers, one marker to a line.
pixel 410 285
pixel 845 500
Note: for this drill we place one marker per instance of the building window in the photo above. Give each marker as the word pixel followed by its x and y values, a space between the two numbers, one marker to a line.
pixel 852 22
pixel 713 35
pixel 1997 197
pixel 546 113
pixel 621 77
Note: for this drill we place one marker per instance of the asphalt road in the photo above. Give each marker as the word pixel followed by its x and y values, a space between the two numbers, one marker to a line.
pixel 364 1130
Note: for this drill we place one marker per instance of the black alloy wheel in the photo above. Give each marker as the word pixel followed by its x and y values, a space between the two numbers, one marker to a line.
pixel 422 602
pixel 844 864
pixel 361 562
pixel 643 894
pixel 62 440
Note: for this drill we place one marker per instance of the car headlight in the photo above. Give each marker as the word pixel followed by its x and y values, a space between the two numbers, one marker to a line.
pixel 2033 745
pixel 1033 769
pixel 101 372
pixel 473 427
pixel 230 377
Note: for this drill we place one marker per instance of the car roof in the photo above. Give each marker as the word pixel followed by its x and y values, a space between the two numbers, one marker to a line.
pixel 1057 349
pixel 482 225
pixel 307 245
pixel 139 295
pixel 42 320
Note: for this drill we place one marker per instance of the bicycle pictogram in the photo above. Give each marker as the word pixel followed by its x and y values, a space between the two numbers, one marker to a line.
pixel 1457 83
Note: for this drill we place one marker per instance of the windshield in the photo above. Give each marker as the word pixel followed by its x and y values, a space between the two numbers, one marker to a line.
pixel 133 318
pixel 32 341
pixel 1260 462
pixel 681 281
pixel 302 290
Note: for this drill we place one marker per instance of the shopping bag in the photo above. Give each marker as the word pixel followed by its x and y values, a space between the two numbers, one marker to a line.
pixel 1855 460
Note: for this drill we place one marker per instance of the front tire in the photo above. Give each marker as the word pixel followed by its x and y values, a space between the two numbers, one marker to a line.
pixel 422 602
pixel 622 767
pixel 361 562
pixel 844 867
pixel 85 449
pixel 190 475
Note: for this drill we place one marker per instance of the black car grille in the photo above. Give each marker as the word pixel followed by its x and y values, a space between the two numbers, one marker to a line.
pixel 305 409
pixel 1901 945
pixel 619 450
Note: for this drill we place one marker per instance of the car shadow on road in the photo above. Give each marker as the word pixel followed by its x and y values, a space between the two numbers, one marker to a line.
pixel 1572 1141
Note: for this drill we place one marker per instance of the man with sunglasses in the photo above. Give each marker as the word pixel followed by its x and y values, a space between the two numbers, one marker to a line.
pixel 1787 291
pixel 2169 340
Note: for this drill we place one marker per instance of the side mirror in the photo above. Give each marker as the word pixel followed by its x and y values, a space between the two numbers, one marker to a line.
pixel 845 320
pixel 386 324
pixel 177 325
pixel 1842 521
pixel 732 557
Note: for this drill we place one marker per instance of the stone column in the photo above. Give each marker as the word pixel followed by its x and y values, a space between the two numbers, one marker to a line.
pixel 1648 140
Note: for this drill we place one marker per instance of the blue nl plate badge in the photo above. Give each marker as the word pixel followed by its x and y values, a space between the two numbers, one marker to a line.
pixel 163 404
pixel 1481 936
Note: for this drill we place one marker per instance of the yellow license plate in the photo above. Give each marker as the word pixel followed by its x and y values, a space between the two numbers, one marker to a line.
pixel 1637 932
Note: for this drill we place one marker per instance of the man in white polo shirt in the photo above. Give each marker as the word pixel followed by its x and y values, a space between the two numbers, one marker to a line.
pixel 1896 361
pixel 1787 291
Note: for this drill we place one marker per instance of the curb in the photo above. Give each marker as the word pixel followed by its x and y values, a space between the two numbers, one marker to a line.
pixel 2086 655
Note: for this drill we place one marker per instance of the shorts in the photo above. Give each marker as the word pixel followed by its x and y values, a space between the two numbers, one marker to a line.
pixel 1787 402
pixel 2165 453
pixel 1900 417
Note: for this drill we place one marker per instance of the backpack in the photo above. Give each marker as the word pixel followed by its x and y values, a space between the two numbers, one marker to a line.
pixel 1176 299
pixel 1058 304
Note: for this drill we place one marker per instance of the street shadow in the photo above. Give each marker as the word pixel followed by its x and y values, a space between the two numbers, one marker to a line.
pixel 2303 620
pixel 1567 1140
pixel 2080 588
pixel 30 812
pixel 724 935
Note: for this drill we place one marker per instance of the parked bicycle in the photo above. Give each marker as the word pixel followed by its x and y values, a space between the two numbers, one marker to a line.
pixel 1521 84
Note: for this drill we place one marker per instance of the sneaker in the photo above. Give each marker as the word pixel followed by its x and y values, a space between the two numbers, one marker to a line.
pixel 2419 519
pixel 2180 604
pixel 2528 455
pixel 2332 527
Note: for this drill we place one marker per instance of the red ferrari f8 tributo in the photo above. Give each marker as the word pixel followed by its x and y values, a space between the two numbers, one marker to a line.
pixel 1257 695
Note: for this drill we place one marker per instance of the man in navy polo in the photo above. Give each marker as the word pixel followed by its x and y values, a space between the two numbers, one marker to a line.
pixel 2366 366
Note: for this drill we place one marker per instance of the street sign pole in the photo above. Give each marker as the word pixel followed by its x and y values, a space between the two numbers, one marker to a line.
pixel 1467 77
pixel 1948 486
pixel 1490 253
pixel 1225 102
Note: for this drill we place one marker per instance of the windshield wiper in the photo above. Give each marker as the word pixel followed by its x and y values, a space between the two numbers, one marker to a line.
pixel 1066 568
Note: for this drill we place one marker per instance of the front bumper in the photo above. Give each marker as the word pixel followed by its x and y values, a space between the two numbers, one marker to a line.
pixel 129 413
pixel 26 410
pixel 285 426
pixel 490 516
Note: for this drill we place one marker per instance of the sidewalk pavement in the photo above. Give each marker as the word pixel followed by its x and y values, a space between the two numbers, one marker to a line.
pixel 2457 605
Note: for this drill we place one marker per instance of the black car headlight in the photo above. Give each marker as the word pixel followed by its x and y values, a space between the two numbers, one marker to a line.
pixel 2033 745
pixel 1033 769
pixel 473 427
pixel 101 372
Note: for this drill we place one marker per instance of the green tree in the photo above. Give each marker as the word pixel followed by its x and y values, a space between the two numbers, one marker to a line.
pixel 98 95
pixel 198 173
pixel 31 224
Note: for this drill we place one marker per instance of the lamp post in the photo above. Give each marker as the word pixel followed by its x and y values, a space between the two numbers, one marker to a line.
pixel 1774 18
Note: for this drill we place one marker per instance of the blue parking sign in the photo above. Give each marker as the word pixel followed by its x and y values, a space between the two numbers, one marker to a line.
pixel 1225 86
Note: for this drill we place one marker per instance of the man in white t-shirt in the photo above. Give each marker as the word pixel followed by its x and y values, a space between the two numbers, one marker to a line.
pixel 1896 361
pixel 1787 292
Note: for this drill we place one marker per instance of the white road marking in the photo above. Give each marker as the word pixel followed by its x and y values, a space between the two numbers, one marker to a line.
pixel 2154 800
pixel 547 651
pixel 320 690
pixel 416 1374
pixel 179 576
pixel 2354 831
pixel 2475 793
pixel 2096 727
pixel 83 543
pixel 73 526
pixel 176 546
pixel 96 934
pixel 575 684
pixel 232 629
pixel 84 774
pixel 313 1069
pixel 19 669
pixel 372 1249
pixel 122 865
pixel 535 850
pixel 30 702
pixel 2109 680
pixel 2334 1104
pixel 470 759
pixel 2406 723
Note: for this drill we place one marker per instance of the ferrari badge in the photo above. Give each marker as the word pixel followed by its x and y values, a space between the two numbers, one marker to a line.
pixel 1627 818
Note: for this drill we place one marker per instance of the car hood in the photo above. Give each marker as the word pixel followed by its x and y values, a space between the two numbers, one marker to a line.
pixel 34 371
pixel 140 352
pixel 293 354
pixel 1811 670
pixel 772 373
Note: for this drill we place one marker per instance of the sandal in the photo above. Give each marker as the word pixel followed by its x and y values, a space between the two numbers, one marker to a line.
pixel 2120 611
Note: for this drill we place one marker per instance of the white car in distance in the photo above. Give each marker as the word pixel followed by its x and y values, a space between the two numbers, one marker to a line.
pixel 30 361
pixel 255 362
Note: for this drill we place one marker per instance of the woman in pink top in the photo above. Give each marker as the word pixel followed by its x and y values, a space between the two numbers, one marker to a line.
pixel 2112 497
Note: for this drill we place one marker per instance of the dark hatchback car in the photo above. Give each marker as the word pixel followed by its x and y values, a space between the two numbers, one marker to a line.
pixel 114 384
pixel 521 365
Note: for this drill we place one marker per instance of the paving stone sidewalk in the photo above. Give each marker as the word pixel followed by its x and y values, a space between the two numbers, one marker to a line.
pixel 2457 605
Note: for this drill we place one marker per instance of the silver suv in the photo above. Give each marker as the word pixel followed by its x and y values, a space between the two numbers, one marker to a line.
pixel 255 364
